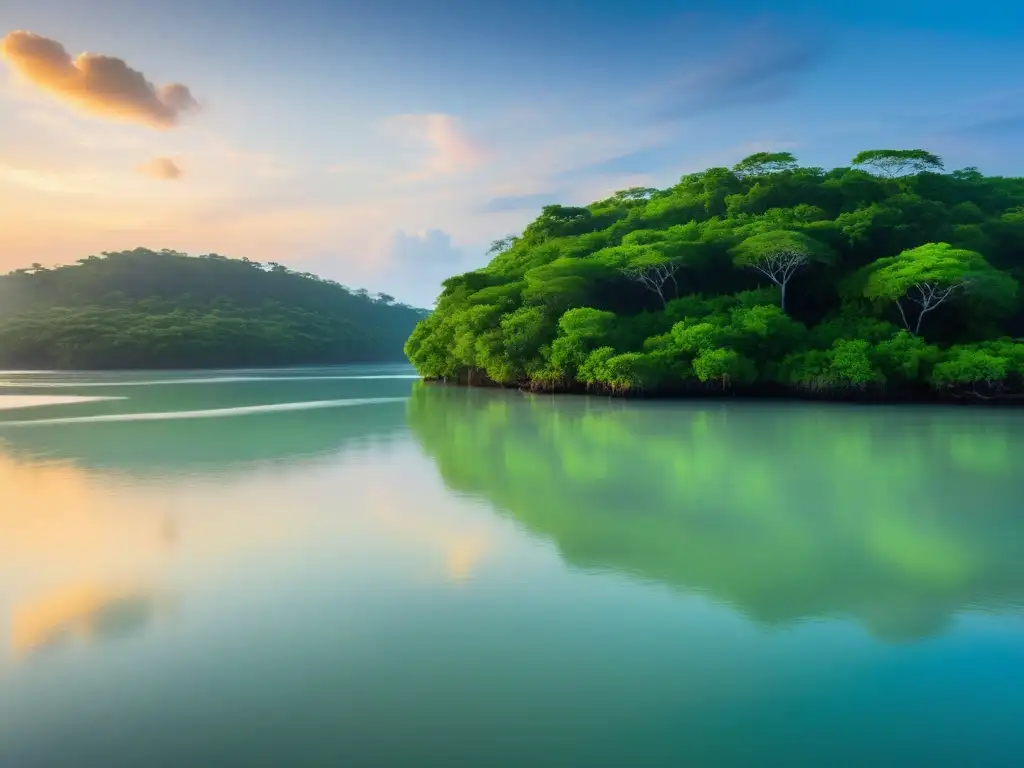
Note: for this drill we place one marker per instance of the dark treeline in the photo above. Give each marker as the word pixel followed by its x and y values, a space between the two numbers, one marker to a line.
pixel 146 309
pixel 890 278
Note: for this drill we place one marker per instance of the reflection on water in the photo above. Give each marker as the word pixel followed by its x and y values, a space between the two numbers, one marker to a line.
pixel 483 578
pixel 88 612
pixel 898 517
pixel 159 432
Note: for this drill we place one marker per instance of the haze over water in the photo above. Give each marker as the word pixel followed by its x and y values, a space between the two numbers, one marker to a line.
pixel 346 567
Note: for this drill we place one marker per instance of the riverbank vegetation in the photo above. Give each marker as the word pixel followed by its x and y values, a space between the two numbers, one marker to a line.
pixel 890 278
pixel 146 309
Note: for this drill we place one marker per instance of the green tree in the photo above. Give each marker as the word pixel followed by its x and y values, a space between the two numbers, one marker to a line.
pixel 574 291
pixel 931 274
pixel 164 309
pixel 653 274
pixel 761 163
pixel 896 162
pixel 779 254
pixel 502 244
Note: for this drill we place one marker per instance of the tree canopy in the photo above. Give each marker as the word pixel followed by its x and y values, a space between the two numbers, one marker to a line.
pixel 895 162
pixel 889 279
pixel 932 273
pixel 146 309
pixel 761 163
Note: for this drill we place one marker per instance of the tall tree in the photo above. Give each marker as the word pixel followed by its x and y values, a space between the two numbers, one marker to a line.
pixel 502 244
pixel 761 163
pixel 634 194
pixel 653 275
pixel 932 274
pixel 897 162
pixel 779 254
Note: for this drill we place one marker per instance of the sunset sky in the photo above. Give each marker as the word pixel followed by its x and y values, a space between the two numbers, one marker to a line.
pixel 384 144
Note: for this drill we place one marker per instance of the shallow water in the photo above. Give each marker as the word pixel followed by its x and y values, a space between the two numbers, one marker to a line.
pixel 345 567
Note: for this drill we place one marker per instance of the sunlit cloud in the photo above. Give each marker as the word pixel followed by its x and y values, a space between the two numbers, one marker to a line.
pixel 162 168
pixel 530 202
pixel 60 129
pixel 424 249
pixel 100 85
pixel 449 150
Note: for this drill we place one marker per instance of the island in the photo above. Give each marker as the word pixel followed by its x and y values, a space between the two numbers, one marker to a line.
pixel 889 279
pixel 144 309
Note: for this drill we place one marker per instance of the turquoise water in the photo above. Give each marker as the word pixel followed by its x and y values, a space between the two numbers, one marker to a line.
pixel 345 567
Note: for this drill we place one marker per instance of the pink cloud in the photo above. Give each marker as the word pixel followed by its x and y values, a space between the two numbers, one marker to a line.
pixel 450 151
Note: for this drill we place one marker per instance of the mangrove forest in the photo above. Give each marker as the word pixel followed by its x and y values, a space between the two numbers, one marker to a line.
pixel 891 278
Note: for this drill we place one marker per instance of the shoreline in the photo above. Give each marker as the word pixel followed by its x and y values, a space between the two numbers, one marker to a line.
pixel 762 394
pixel 172 369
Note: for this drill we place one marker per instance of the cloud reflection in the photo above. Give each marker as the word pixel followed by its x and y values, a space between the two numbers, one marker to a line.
pixel 86 613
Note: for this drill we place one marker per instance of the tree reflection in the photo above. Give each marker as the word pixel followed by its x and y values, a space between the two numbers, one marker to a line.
pixel 898 517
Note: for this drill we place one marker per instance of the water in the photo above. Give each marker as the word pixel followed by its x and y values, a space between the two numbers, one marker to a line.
pixel 201 570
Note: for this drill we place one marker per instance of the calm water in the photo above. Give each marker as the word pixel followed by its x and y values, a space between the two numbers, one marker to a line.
pixel 342 567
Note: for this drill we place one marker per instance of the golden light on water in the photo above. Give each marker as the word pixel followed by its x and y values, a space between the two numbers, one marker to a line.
pixel 77 544
pixel 81 612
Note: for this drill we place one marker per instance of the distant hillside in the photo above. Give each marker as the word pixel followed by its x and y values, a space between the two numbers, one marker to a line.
pixel 147 309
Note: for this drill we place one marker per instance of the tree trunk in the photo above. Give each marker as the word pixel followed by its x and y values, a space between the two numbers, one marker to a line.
pixel 782 302
pixel 904 316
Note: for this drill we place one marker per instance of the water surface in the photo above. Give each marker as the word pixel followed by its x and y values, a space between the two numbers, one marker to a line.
pixel 345 567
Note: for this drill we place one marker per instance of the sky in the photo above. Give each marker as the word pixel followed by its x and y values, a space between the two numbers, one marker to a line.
pixel 385 143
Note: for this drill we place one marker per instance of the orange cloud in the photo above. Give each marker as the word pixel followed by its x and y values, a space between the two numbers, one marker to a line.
pixel 163 168
pixel 101 85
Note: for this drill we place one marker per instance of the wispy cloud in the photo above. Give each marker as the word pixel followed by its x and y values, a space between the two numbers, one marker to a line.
pixel 100 85
pixel 56 182
pixel 649 160
pixel 162 168
pixel 262 165
pixel 760 69
pixel 519 202
pixel 428 249
pixel 448 150
pixel 1002 126
pixel 39 181
pixel 426 258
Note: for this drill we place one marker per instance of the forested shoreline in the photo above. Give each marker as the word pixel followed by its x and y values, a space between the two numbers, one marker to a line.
pixel 163 309
pixel 890 279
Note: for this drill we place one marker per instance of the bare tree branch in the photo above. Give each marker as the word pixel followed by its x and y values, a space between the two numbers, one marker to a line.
pixel 779 267
pixel 502 244
pixel 653 277
pixel 929 296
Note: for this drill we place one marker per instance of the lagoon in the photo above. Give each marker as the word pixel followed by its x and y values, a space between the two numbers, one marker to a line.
pixel 344 566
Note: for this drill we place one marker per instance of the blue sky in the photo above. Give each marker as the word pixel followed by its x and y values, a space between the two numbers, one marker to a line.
pixel 386 143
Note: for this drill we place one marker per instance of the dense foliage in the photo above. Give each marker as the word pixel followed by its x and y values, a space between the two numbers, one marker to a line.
pixel 890 278
pixel 146 309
